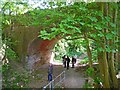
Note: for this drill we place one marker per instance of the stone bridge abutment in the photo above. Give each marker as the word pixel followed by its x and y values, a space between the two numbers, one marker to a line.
pixel 29 47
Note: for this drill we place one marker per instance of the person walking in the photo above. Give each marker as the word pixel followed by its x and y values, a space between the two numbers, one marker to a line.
pixel 50 72
pixel 68 61
pixel 64 60
pixel 73 61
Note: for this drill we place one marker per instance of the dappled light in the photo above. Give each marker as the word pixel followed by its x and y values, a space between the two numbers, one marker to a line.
pixel 53 61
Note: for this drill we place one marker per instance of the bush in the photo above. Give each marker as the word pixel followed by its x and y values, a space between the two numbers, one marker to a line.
pixel 11 55
pixel 90 71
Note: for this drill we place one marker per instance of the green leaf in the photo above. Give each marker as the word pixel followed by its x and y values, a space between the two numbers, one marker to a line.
pixel 93 35
pixel 90 71
pixel 53 29
pixel 43 32
pixel 11 54
pixel 113 32
pixel 107 19
pixel 108 49
pixel 98 27
pixel 100 34
pixel 82 23
pixel 99 14
pixel 77 30
pixel 63 30
pixel 70 26
pixel 100 49
pixel 94 19
pixel 61 25
pixel 112 25
pixel 109 36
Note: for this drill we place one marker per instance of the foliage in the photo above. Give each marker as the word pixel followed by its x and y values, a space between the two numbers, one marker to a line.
pixel 79 20
pixel 87 85
pixel 82 19
pixel 90 71
pixel 65 21
pixel 59 49
pixel 75 23
pixel 94 56
pixel 86 20
pixel 84 61
pixel 97 80
pixel 13 79
pixel 10 10
pixel 10 54
pixel 5 68
pixel 21 13
pixel 67 47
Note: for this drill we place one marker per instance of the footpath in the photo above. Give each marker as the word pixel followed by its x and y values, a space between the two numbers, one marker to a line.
pixel 74 79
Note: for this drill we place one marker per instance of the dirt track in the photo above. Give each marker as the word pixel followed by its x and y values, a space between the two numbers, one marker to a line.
pixel 74 79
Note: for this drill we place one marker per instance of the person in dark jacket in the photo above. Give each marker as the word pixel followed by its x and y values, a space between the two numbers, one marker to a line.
pixel 68 61
pixel 50 72
pixel 73 61
pixel 50 68
pixel 64 60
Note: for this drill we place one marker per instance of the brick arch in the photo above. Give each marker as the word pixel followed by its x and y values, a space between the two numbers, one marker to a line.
pixel 28 43
pixel 40 51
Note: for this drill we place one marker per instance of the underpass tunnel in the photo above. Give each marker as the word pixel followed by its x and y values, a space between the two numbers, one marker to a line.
pixel 40 52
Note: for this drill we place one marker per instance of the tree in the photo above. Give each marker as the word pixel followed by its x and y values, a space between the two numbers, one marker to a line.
pixel 91 21
pixel 85 21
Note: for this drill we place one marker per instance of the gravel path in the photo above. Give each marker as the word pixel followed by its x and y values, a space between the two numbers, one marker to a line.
pixel 74 79
pixel 41 76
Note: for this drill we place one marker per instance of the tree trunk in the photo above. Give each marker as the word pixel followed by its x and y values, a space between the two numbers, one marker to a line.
pixel 88 50
pixel 111 55
pixel 106 81
pixel 106 69
pixel 101 66
pixel 116 21
pixel 118 30
pixel 112 68
pixel 89 55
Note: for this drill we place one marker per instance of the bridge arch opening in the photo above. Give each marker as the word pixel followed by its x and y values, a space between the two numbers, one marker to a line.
pixel 39 52
pixel 43 51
